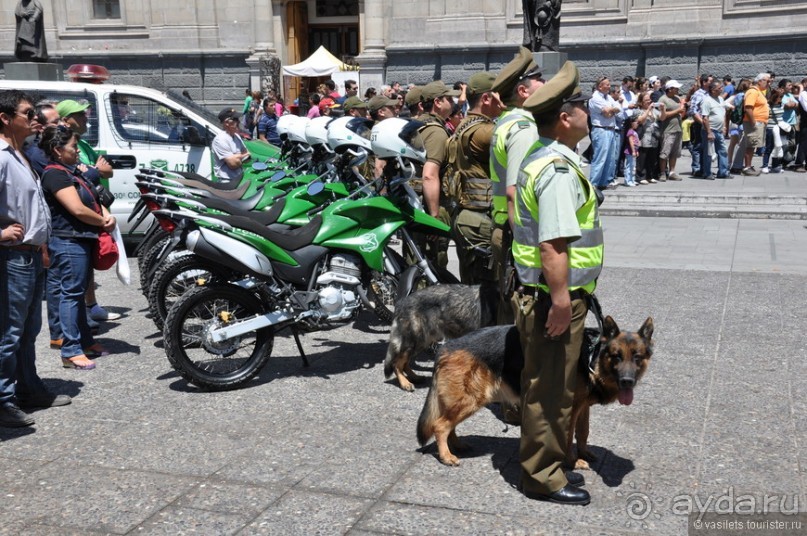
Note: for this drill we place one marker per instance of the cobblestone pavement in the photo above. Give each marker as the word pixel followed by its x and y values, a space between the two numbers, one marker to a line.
pixel 331 449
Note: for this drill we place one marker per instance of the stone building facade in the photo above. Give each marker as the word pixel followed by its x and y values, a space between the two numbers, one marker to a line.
pixel 218 48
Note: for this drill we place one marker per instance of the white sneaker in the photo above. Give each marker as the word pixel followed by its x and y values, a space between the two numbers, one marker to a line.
pixel 99 314
pixel 765 170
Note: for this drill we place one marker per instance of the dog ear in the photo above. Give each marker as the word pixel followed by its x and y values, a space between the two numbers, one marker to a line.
pixel 609 328
pixel 646 331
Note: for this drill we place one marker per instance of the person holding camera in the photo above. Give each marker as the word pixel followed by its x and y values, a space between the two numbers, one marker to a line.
pixel 77 216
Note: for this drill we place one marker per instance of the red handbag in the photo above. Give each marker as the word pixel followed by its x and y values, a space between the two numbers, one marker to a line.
pixel 105 252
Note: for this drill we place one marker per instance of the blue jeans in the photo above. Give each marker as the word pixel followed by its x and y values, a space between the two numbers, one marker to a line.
pixel 22 286
pixel 695 148
pixel 70 260
pixel 720 151
pixel 603 163
pixel 52 297
pixel 629 169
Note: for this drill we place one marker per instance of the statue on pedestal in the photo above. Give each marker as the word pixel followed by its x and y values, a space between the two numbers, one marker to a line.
pixel 541 24
pixel 29 40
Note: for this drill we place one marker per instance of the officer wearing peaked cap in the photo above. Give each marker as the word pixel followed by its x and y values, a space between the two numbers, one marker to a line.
pixel 558 251
pixel 514 133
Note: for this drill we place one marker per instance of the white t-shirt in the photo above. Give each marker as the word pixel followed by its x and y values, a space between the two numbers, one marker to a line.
pixel 223 146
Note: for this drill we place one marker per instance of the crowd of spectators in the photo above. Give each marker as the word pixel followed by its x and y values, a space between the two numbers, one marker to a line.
pixel 722 124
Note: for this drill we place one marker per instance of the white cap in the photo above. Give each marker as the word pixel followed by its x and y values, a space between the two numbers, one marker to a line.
pixel 673 84
pixel 652 80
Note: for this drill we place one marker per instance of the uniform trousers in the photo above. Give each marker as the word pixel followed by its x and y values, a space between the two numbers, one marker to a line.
pixel 500 249
pixel 434 250
pixel 548 383
pixel 472 232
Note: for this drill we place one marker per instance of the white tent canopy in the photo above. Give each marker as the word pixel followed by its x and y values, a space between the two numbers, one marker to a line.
pixel 320 63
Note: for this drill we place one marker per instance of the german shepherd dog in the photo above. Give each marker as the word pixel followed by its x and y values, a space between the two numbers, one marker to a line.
pixel 485 365
pixel 432 315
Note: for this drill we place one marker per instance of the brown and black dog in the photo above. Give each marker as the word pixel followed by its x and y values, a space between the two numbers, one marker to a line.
pixel 485 366
pixel 431 316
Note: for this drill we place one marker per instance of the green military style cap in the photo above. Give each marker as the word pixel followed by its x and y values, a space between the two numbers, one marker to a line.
pixel 480 83
pixel 413 95
pixel 437 89
pixel 379 101
pixel 353 102
pixel 562 88
pixel 520 67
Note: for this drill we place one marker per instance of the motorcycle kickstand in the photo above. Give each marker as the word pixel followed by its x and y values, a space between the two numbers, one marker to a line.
pixel 296 334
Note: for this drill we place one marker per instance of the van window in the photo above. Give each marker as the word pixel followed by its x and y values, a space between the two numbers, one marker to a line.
pixel 91 136
pixel 143 120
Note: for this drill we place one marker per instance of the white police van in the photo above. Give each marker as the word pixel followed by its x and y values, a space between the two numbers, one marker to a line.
pixel 135 127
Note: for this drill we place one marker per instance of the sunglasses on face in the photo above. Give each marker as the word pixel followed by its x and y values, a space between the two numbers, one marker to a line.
pixel 30 114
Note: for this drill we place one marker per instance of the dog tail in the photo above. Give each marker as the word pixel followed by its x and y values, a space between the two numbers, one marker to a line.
pixel 431 411
pixel 393 349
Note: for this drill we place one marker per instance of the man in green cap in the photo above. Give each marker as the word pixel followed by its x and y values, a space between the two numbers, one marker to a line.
pixel 355 107
pixel 381 107
pixel 74 115
pixel 558 257
pixel 437 99
pixel 468 180
pixel 515 132
pixel 412 101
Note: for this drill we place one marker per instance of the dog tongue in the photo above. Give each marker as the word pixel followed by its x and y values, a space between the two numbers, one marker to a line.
pixel 625 396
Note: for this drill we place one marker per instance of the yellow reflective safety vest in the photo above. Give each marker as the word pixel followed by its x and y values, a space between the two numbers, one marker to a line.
pixel 585 254
pixel 498 160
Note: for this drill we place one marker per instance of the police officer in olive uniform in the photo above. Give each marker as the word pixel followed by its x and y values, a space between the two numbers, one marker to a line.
pixel 355 107
pixel 412 101
pixel 558 250
pixel 515 132
pixel 468 176
pixel 437 101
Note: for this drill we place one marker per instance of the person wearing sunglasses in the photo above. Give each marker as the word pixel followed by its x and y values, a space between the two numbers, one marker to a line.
pixel 25 228
pixel 229 150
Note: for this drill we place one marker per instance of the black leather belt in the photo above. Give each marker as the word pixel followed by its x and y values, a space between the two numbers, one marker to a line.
pixel 535 292
pixel 605 128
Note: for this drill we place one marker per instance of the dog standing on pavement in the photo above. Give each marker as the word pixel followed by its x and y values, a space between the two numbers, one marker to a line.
pixel 485 366
pixel 432 315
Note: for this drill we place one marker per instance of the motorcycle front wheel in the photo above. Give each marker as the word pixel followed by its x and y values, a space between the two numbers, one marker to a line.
pixel 203 362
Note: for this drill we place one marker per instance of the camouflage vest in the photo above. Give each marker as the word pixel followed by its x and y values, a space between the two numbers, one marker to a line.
pixel 466 178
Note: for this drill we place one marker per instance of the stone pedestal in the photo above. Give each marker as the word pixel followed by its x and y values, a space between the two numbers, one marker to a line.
pixel 23 70
pixel 550 62
pixel 371 72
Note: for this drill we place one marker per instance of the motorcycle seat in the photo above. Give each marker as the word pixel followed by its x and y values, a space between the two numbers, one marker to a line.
pixel 289 240
pixel 263 217
pixel 231 205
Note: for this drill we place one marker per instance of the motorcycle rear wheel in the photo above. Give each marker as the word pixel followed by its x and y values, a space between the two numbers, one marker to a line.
pixel 204 363
pixel 177 276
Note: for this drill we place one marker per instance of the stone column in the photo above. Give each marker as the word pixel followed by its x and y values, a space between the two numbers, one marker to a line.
pixel 373 57
pixel 264 47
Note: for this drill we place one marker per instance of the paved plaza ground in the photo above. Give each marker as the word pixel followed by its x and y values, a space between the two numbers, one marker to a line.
pixel 331 449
